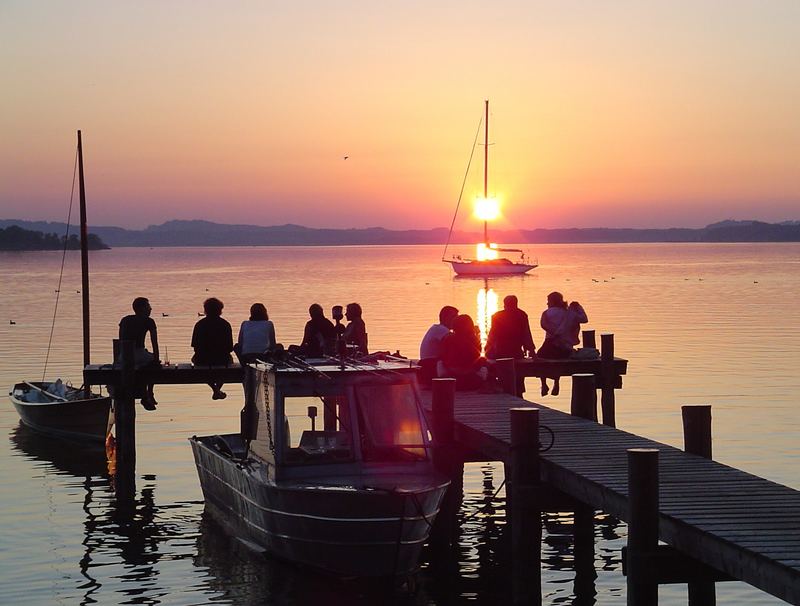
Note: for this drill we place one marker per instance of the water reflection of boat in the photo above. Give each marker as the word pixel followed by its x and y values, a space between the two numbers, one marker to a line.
pixel 357 498
pixel 488 261
pixel 81 460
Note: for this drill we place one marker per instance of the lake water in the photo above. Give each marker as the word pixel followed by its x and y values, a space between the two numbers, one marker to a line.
pixel 701 324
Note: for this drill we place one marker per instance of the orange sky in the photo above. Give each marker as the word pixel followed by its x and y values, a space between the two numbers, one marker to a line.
pixel 622 114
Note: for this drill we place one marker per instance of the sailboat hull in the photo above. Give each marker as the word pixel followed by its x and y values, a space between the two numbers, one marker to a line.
pixel 494 267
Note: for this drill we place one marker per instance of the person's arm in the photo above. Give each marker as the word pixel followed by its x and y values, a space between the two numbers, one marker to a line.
pixel 579 312
pixel 239 336
pixel 154 341
pixel 527 339
pixel 228 338
pixel 271 336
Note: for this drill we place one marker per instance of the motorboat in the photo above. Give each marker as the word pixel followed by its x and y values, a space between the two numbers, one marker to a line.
pixel 356 497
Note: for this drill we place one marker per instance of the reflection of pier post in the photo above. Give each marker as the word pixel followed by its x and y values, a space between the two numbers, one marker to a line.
pixel 585 574
pixel 125 420
pixel 525 507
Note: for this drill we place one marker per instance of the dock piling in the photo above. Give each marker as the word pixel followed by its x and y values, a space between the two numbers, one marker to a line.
pixel 125 419
pixel 697 440
pixel 642 525
pixel 526 515
pixel 608 399
pixel 507 373
pixel 589 338
pixel 449 462
pixel 584 396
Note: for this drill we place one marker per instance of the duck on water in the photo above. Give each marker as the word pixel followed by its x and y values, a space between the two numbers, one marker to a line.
pixel 356 497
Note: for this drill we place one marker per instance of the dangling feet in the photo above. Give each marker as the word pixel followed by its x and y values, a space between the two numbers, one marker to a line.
pixel 556 387
pixel 219 395
pixel 149 402
pixel 546 389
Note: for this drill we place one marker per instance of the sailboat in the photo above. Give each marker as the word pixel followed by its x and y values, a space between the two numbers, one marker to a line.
pixel 54 407
pixel 488 261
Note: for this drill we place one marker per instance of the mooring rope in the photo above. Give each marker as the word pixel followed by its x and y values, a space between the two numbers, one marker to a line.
pixel 61 273
pixel 463 184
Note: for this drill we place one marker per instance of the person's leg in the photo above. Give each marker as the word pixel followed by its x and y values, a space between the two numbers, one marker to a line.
pixel 545 388
pixel 556 386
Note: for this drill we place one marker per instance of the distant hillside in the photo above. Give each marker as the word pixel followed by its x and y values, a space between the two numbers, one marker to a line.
pixel 17 238
pixel 206 233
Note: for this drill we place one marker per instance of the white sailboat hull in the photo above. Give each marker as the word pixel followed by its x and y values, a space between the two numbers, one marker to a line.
pixel 494 267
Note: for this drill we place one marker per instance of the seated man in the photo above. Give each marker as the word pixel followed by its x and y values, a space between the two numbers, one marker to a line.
pixel 430 350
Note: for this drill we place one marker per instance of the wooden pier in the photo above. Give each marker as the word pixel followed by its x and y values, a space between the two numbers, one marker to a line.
pixel 720 523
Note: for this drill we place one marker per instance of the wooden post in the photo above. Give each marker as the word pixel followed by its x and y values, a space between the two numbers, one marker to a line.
pixel 584 396
pixel 125 413
pixel 526 516
pixel 697 440
pixel 585 574
pixel 642 524
pixel 589 338
pixel 447 460
pixel 507 373
pixel 608 399
pixel 697 430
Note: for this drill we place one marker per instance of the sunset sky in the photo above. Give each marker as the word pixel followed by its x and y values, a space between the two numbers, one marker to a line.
pixel 634 114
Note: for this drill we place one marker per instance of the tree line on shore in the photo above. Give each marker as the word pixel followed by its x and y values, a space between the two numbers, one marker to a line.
pixel 17 238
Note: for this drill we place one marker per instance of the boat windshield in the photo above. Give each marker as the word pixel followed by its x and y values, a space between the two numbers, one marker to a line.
pixel 317 430
pixel 391 428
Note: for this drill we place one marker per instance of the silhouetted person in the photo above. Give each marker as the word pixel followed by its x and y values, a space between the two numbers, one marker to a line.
pixel 356 331
pixel 561 323
pixel 461 355
pixel 319 336
pixel 212 340
pixel 256 335
pixel 430 350
pixel 510 336
pixel 135 328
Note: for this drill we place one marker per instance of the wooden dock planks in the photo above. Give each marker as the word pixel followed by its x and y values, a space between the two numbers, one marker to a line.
pixel 741 524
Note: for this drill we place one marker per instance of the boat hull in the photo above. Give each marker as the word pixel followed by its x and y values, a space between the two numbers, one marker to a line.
pixel 83 419
pixel 331 525
pixel 483 268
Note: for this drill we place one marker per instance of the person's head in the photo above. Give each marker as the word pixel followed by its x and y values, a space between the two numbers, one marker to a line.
pixel 337 313
pixel 353 311
pixel 510 302
pixel 141 306
pixel 556 299
pixel 315 310
pixel 257 312
pixel 213 307
pixel 447 314
pixel 463 324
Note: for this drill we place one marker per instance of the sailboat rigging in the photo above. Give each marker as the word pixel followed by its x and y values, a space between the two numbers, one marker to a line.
pixel 488 263
pixel 54 407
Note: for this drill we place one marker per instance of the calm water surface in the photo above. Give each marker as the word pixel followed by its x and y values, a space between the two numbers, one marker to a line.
pixel 715 324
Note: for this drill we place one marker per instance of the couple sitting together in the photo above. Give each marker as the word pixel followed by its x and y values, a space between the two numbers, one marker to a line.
pixel 452 347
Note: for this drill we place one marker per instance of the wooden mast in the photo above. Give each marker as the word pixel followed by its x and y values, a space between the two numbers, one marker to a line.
pixel 486 172
pixel 84 257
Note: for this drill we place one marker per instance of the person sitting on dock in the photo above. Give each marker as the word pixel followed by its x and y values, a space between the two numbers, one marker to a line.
pixel 461 355
pixel 212 339
pixel 510 336
pixel 134 328
pixel 355 334
pixel 561 323
pixel 430 350
pixel 256 335
pixel 319 335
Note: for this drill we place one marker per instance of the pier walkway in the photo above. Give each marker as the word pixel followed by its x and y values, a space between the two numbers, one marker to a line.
pixel 740 524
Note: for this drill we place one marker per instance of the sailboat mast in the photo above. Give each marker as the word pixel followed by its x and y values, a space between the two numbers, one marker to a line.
pixel 84 256
pixel 486 171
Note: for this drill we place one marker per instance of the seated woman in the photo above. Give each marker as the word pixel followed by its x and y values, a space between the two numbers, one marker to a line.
pixel 212 340
pixel 461 355
pixel 256 335
pixel 561 323
pixel 356 331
